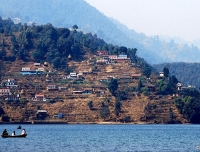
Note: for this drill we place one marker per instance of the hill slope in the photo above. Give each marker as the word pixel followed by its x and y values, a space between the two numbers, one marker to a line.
pixel 187 73
pixel 66 13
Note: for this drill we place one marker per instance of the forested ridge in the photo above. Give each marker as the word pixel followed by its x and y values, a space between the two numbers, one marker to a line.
pixel 187 73
pixel 66 13
pixel 41 43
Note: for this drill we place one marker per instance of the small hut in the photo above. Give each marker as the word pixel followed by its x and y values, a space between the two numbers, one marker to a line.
pixel 45 63
pixel 69 57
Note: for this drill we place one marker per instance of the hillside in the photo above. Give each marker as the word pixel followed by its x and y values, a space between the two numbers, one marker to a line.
pixel 74 107
pixel 51 74
pixel 66 13
pixel 187 73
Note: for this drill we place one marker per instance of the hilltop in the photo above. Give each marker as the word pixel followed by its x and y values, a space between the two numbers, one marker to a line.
pixel 51 74
pixel 66 13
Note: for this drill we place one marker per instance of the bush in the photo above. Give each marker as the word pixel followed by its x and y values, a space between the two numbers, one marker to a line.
pixel 145 91
pixel 1 111
pixel 90 104
pixel 104 112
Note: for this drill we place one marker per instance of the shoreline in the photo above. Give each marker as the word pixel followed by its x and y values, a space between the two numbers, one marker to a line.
pixel 99 123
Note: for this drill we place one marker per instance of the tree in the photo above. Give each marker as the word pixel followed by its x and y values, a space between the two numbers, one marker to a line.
pixel 146 71
pixel 118 106
pixel 113 85
pixel 21 54
pixel 56 62
pixel 139 85
pixel 37 55
pixel 132 54
pixel 90 104
pixel 2 54
pixel 104 112
pixel 75 27
pixel 123 50
pixel 1 111
pixel 166 72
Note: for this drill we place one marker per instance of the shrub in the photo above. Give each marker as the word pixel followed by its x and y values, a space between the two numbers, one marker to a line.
pixel 90 104
pixel 104 112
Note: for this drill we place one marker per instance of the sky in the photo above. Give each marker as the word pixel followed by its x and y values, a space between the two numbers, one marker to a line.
pixel 174 18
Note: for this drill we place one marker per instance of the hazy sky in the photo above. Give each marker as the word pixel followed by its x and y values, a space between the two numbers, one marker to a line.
pixel 179 18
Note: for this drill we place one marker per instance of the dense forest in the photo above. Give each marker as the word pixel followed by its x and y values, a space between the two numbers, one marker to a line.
pixel 187 73
pixel 42 43
pixel 66 13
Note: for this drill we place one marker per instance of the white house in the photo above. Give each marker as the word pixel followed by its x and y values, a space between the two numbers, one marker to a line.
pixel 26 69
pixel 5 91
pixel 40 69
pixel 37 64
pixel 161 74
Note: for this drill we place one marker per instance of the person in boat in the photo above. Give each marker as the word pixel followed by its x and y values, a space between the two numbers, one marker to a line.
pixel 13 134
pixel 23 132
pixel 19 127
pixel 5 133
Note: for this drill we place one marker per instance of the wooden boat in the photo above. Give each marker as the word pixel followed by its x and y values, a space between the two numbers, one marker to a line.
pixel 16 136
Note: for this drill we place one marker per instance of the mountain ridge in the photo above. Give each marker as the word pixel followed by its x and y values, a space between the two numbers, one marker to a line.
pixel 66 13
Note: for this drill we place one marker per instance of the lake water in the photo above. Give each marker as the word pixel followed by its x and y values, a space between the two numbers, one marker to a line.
pixel 102 138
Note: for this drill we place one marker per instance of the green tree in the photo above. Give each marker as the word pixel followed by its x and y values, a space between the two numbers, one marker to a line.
pixel 132 54
pixel 90 104
pixel 118 106
pixel 113 85
pixel 1 111
pixel 37 55
pixel 147 71
pixel 123 50
pixel 75 27
pixel 104 112
pixel 3 54
pixel 139 85
pixel 166 72
pixel 56 62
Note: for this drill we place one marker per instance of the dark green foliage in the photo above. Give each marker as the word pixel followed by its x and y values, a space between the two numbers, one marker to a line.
pixel 123 50
pixel 189 105
pixel 132 54
pixel 185 106
pixel 1 111
pixel 187 73
pixel 121 95
pixel 118 106
pixel 75 27
pixel 90 104
pixel 21 54
pixel 146 71
pixel 167 86
pixel 107 100
pixel 139 85
pixel 104 112
pixel 171 116
pixel 37 55
pixel 113 85
pixel 2 54
pixel 166 72
pixel 145 91
pixel 127 119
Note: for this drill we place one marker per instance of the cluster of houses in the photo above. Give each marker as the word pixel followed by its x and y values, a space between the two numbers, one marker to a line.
pixel 28 70
pixel 106 58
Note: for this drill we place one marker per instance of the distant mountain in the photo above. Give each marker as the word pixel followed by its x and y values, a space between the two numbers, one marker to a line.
pixel 165 48
pixel 66 13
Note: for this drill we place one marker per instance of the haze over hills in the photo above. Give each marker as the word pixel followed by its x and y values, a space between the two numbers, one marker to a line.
pixel 66 13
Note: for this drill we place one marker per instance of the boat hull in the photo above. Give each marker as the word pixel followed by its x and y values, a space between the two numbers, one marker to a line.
pixel 16 136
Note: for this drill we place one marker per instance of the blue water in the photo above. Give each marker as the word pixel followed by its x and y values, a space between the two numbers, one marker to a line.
pixel 103 138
